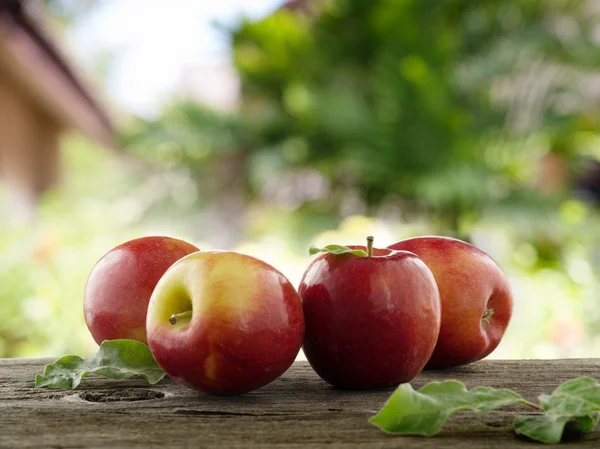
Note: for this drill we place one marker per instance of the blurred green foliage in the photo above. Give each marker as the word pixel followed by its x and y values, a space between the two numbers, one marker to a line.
pixel 399 99
pixel 434 108
pixel 104 200
pixel 472 119
pixel 68 11
pixel 393 118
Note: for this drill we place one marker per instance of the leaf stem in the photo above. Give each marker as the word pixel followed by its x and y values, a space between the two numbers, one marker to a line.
pixel 532 405
pixel 180 316
pixel 370 245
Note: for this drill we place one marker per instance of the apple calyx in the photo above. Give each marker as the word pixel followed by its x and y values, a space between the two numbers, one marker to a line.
pixel 487 316
pixel 177 317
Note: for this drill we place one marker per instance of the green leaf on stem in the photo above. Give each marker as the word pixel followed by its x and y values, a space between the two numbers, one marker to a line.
pixel 577 399
pixel 337 250
pixel 115 359
pixel 423 412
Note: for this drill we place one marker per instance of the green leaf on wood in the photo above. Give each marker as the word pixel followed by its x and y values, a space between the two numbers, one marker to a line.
pixel 337 250
pixel 115 359
pixel 577 399
pixel 423 412
pixel 544 428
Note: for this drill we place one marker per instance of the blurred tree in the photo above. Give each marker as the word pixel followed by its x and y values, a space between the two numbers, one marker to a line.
pixel 441 109
pixel 425 101
pixel 213 148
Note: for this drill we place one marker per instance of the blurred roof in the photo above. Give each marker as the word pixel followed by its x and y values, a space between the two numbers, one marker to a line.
pixel 29 54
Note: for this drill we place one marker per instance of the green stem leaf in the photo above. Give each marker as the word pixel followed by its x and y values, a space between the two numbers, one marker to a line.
pixel 337 250
pixel 115 359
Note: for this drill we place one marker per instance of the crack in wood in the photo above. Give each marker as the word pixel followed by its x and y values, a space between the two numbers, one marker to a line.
pixel 191 412
pixel 128 394
pixel 495 424
pixel 194 412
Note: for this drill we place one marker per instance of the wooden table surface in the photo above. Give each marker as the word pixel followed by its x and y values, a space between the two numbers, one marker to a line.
pixel 297 410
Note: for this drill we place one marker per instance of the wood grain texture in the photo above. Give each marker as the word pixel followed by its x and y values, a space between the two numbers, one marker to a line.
pixel 297 410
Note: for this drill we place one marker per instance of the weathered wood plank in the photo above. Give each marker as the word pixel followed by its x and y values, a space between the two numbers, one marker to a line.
pixel 297 410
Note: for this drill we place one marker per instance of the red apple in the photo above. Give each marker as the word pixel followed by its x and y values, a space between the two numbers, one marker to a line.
pixel 119 286
pixel 476 298
pixel 224 323
pixel 371 320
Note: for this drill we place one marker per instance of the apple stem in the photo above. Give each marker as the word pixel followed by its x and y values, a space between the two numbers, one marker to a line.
pixel 487 316
pixel 370 245
pixel 180 316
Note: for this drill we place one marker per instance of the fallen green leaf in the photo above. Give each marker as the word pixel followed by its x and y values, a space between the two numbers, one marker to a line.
pixel 115 359
pixel 544 428
pixel 577 399
pixel 337 250
pixel 423 412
